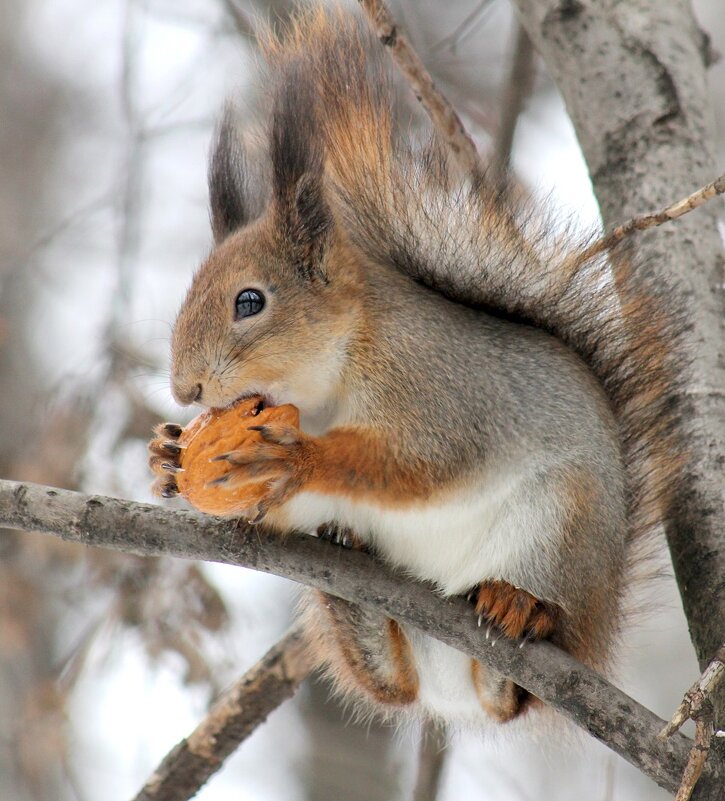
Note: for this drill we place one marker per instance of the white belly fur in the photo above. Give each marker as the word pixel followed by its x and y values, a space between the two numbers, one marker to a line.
pixel 479 534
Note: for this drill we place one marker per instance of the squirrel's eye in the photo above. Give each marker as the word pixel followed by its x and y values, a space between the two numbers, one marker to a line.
pixel 248 302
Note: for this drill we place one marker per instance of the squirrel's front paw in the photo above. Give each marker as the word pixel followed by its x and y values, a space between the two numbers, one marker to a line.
pixel 164 459
pixel 280 460
pixel 232 461
pixel 516 612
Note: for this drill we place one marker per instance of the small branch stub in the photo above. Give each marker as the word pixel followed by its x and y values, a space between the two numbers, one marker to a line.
pixel 643 222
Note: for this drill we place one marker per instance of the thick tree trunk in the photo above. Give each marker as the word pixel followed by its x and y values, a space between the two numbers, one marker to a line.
pixel 633 78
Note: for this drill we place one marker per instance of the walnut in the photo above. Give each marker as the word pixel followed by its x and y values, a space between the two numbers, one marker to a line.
pixel 185 458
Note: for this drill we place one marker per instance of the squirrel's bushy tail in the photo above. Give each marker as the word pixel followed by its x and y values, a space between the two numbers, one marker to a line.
pixel 478 246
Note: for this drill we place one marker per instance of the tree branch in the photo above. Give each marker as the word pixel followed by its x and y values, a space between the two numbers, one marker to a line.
pixel 699 696
pixel 574 690
pixel 441 112
pixel 643 222
pixel 232 718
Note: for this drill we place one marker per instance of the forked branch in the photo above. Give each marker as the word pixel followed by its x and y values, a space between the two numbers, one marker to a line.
pixel 698 705
pixel 558 679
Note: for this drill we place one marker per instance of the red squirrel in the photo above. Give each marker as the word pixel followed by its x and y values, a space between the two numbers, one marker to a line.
pixel 480 405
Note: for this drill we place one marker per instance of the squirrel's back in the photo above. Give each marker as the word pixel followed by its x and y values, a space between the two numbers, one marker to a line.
pixel 491 249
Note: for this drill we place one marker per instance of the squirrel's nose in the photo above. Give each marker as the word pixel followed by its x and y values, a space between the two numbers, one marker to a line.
pixel 186 394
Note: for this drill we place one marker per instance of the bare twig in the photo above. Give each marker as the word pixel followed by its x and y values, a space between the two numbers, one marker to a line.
pixel 552 675
pixel 131 179
pixel 698 706
pixel 442 114
pixel 431 758
pixel 642 222
pixel 696 760
pixel 234 716
pixel 698 697
pixel 518 88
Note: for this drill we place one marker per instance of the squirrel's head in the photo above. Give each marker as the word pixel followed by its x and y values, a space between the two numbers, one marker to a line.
pixel 271 311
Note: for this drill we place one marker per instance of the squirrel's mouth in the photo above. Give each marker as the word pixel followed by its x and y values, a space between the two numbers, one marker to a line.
pixel 263 401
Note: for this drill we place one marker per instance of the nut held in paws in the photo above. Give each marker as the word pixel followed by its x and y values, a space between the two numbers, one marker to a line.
pixel 216 432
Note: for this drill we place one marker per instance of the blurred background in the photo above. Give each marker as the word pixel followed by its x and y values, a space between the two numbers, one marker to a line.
pixel 106 660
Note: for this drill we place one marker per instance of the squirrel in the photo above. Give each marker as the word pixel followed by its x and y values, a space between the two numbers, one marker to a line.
pixel 481 405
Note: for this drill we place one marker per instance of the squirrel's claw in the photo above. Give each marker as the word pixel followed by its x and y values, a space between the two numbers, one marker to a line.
pixel 259 514
pixel 168 430
pixel 278 434
pixel 169 490
pixel 250 456
pixel 164 453
pixel 514 611
pixel 171 448
pixel 161 462
pixel 164 447
pixel 252 472
pixel 340 535
pixel 165 487
pixel 279 491
pixel 277 460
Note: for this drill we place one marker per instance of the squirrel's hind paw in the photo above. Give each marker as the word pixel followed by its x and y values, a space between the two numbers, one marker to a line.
pixel 514 611
pixel 340 535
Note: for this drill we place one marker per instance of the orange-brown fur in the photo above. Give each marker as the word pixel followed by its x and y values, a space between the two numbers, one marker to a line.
pixel 515 612
pixel 354 462
pixel 356 669
pixel 499 696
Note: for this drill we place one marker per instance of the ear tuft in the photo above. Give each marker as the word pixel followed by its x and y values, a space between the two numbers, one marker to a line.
pixel 235 194
pixel 297 167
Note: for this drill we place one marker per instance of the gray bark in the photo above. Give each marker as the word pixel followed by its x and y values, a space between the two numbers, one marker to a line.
pixel 574 690
pixel 233 717
pixel 633 76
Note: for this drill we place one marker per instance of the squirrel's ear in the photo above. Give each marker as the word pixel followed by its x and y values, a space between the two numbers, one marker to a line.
pixel 297 168
pixel 235 193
